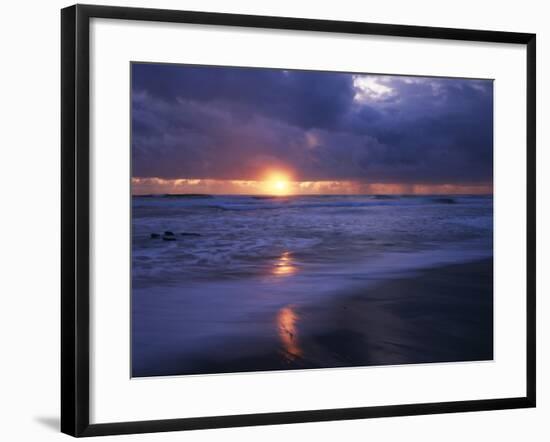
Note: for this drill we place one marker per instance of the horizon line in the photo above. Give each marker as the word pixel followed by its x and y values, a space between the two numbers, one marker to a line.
pixel 199 194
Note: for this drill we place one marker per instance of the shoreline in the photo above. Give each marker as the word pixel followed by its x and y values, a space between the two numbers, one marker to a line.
pixel 441 314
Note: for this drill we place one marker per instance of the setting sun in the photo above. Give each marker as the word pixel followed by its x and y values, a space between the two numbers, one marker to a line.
pixel 280 185
pixel 277 183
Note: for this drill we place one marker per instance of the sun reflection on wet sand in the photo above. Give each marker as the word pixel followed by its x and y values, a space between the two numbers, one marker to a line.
pixel 286 323
pixel 284 265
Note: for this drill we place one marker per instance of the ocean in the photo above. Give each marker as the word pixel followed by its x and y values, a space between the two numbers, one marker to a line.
pixel 250 283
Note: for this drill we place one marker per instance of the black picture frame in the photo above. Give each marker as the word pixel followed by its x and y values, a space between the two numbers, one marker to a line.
pixel 75 212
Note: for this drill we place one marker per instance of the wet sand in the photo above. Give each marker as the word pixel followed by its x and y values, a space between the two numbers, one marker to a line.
pixel 441 314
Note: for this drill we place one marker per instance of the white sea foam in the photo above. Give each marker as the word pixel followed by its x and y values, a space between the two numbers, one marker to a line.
pixel 236 236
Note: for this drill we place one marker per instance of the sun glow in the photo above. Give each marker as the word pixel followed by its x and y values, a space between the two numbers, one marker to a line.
pixel 282 184
pixel 277 183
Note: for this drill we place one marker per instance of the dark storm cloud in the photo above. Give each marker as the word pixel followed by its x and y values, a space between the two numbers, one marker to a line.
pixel 233 123
pixel 297 98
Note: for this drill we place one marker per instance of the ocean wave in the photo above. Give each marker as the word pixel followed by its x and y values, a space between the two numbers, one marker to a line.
pixel 236 235
pixel 268 202
pixel 272 204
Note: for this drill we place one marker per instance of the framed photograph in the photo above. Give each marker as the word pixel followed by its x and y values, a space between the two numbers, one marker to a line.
pixel 275 220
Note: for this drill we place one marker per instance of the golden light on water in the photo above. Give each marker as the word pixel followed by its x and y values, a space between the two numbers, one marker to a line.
pixel 288 332
pixel 284 265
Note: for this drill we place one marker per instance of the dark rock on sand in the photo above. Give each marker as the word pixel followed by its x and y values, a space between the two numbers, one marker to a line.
pixel 169 236
pixel 155 235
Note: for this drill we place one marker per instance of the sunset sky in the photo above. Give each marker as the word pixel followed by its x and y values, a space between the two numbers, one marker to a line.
pixel 269 131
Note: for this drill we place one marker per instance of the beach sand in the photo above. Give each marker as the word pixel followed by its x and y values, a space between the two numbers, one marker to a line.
pixel 440 314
